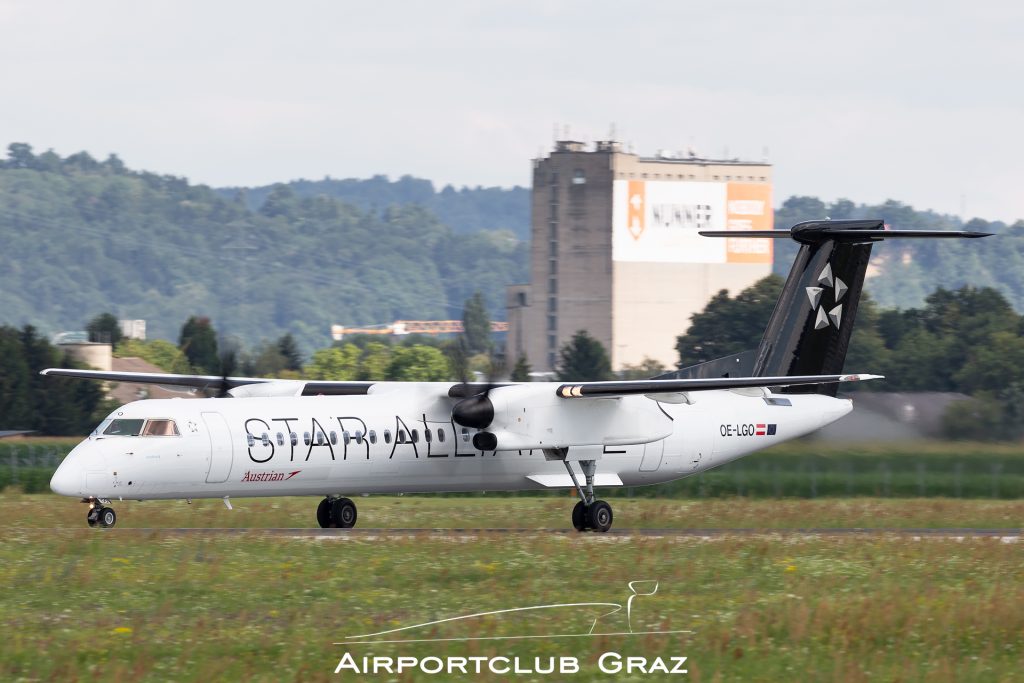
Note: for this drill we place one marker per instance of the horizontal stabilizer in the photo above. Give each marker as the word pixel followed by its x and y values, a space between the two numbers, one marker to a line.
pixel 665 386
pixel 815 232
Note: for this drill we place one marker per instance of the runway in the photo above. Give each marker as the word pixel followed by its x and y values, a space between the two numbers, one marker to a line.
pixel 1007 535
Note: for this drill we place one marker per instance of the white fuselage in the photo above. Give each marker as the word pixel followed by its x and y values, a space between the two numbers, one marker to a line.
pixel 326 445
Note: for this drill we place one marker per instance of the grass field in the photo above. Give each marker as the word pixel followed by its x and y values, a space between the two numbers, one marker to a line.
pixel 122 605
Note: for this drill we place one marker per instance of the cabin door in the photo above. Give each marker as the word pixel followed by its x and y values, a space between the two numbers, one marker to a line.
pixel 221 449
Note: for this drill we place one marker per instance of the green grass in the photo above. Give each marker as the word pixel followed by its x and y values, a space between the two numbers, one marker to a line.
pixel 104 605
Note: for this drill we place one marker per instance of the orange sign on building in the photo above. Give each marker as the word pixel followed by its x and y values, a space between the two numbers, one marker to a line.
pixel 748 207
pixel 635 200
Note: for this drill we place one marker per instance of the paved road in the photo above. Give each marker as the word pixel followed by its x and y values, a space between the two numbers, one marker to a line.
pixel 656 533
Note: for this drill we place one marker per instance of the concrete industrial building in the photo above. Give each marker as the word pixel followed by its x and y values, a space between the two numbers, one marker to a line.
pixel 615 249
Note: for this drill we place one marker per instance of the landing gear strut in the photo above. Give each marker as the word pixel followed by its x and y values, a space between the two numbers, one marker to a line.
pixel 336 513
pixel 99 513
pixel 589 513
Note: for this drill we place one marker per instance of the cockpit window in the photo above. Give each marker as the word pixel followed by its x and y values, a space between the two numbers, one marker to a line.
pixel 124 428
pixel 161 428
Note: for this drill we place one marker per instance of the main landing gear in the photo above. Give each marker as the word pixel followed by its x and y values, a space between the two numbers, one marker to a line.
pixel 589 513
pixel 336 513
pixel 100 514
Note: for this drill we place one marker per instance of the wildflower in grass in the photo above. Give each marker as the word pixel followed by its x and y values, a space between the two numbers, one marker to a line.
pixel 123 629
pixel 791 568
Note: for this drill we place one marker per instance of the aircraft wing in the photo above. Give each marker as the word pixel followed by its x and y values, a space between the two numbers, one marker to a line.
pixel 310 388
pixel 672 386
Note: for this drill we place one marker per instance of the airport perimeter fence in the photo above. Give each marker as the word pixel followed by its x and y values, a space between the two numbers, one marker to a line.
pixel 974 472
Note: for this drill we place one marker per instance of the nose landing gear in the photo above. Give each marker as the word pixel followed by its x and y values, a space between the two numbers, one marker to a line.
pixel 100 514
pixel 336 513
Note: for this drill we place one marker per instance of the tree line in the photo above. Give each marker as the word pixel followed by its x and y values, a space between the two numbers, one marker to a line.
pixel 47 405
pixel 968 340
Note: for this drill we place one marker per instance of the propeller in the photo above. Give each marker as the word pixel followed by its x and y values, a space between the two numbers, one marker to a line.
pixel 228 364
pixel 475 410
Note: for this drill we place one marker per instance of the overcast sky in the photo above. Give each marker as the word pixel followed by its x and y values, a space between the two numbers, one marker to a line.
pixel 917 101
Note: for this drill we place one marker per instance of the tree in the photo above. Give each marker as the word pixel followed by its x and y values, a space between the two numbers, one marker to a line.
pixel 645 369
pixel 198 342
pixel 521 370
pixel 728 325
pixel 289 350
pixel 159 352
pixel 105 329
pixel 418 363
pixel 375 362
pixel 583 359
pixel 477 325
pixel 57 406
pixel 337 363
pixel 19 155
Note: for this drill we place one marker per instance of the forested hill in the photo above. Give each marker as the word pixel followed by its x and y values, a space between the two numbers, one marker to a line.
pixel 464 210
pixel 80 237
pixel 903 272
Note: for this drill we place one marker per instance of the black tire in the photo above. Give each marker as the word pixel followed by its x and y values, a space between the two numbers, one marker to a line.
pixel 107 518
pixel 600 516
pixel 343 513
pixel 323 514
pixel 93 518
pixel 579 516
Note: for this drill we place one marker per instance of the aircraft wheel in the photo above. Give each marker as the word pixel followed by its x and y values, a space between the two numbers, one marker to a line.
pixel 600 516
pixel 579 516
pixel 323 513
pixel 93 517
pixel 107 518
pixel 343 513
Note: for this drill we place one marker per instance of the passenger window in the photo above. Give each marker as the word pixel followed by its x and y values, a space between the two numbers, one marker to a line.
pixel 251 439
pixel 305 438
pixel 294 438
pixel 334 438
pixel 387 436
pixel 124 428
pixel 265 439
pixel 415 436
pixel 427 435
pixel 346 437
pixel 401 436
pixel 359 437
pixel 161 428
pixel 465 434
pixel 373 436
pixel 440 436
pixel 280 439
pixel 320 438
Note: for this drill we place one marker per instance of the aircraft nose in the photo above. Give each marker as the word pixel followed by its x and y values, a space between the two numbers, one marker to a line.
pixel 67 480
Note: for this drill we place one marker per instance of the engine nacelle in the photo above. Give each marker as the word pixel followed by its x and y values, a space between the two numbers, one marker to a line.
pixel 531 416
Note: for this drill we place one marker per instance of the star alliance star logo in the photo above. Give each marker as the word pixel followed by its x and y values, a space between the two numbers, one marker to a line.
pixel 815 294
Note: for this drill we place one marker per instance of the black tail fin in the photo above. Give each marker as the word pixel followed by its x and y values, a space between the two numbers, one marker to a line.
pixel 809 331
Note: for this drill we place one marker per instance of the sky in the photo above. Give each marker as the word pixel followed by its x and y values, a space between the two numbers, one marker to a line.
pixel 916 101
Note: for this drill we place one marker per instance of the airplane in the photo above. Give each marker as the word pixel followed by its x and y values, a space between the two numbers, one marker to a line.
pixel 269 437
